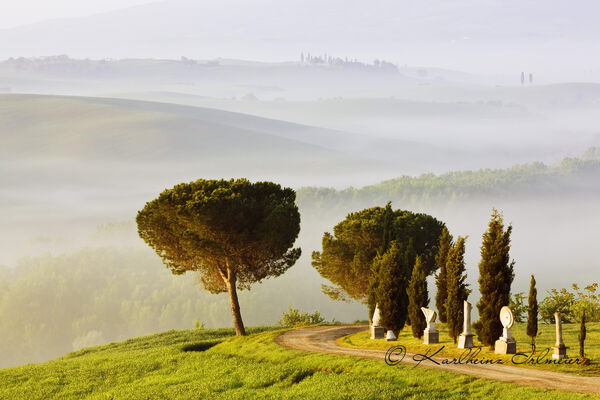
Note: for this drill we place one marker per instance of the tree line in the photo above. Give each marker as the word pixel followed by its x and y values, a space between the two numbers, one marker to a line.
pixel 570 176
pixel 382 257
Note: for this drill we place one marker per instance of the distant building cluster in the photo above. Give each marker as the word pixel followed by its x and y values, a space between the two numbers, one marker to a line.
pixel 62 64
pixel 54 64
pixel 328 60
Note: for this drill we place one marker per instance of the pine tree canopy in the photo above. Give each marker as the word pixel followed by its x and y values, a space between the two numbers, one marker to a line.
pixel 347 255
pixel 232 232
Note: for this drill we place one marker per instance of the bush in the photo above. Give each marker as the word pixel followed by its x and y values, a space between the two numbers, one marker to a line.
pixel 571 305
pixel 295 317
pixel 518 307
pixel 557 301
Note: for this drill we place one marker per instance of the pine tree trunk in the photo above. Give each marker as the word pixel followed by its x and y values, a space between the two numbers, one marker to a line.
pixel 234 304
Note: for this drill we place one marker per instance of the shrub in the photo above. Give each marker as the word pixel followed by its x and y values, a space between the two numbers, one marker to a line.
pixel 571 305
pixel 517 306
pixel 295 317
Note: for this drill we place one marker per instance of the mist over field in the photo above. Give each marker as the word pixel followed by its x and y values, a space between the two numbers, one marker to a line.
pixel 451 109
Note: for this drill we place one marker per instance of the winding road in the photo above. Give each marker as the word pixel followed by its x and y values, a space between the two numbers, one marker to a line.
pixel 322 339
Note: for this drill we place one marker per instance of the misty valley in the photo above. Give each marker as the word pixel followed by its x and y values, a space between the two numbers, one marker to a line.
pixel 205 199
pixel 99 159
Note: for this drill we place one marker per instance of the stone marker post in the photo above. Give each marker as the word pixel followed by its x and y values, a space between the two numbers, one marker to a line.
pixel 430 334
pixel 465 340
pixel 506 344
pixel 377 331
pixel 390 336
pixel 560 350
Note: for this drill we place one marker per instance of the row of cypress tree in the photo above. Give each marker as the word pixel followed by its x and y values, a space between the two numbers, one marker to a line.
pixel 399 283
pixel 400 287
pixel 496 274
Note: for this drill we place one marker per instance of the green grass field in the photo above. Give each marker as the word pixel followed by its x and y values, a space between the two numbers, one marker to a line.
pixel 211 364
pixel 545 339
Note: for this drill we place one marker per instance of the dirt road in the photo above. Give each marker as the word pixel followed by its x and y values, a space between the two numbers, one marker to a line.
pixel 322 339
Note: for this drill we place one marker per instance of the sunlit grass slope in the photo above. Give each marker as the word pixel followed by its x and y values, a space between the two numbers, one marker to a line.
pixel 210 364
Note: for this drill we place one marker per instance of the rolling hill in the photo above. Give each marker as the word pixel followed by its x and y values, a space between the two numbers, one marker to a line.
pixel 94 129
pixel 475 126
pixel 109 133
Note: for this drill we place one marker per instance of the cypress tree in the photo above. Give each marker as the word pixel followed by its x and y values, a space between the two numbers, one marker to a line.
pixel 417 298
pixel 532 311
pixel 373 287
pixel 388 229
pixel 391 290
pixel 408 257
pixel 388 219
pixel 441 259
pixel 582 335
pixel 496 273
pixel 457 288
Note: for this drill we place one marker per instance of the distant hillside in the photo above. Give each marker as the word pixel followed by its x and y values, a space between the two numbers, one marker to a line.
pixel 108 133
pixel 55 132
pixel 51 127
pixel 572 177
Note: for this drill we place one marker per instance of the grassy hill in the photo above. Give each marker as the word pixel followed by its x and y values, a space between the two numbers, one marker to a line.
pixel 42 133
pixel 93 128
pixel 199 364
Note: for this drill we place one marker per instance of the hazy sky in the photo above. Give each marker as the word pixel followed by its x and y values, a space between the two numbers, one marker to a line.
pixel 491 36
pixel 21 12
